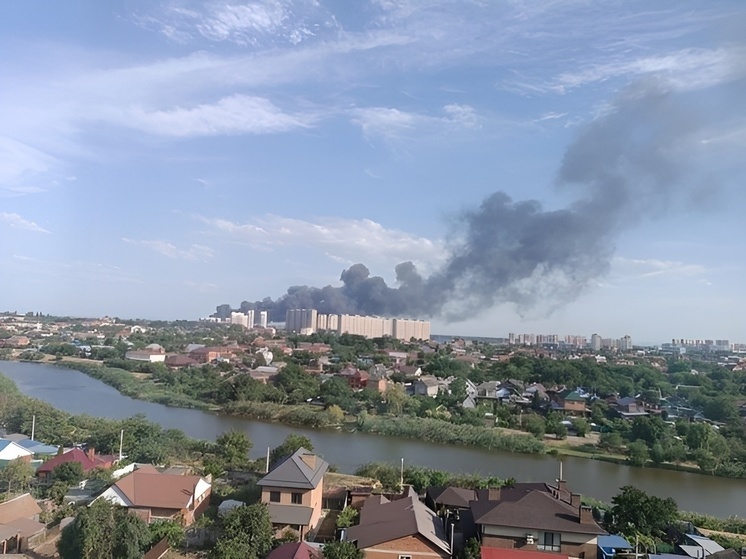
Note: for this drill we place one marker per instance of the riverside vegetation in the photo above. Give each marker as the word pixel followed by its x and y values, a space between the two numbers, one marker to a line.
pixel 644 441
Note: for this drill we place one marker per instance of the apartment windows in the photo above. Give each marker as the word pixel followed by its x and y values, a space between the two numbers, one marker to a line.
pixel 296 498
pixel 274 496
pixel 549 541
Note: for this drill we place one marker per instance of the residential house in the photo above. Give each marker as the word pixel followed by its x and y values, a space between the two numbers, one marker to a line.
pixel 405 528
pixel 356 378
pixel 295 550
pixel 88 459
pixel 449 498
pixel 178 361
pixel 210 354
pixel 10 450
pixel 569 401
pixel 293 492
pixel 154 496
pixel 19 524
pixel 609 547
pixel 698 547
pixel 147 355
pixel 531 517
pixel 629 407
pixel 38 448
pixel 429 385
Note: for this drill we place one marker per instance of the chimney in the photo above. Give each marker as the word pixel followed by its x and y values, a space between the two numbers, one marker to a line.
pixel 493 494
pixel 586 515
pixel 309 460
pixel 575 499
pixel 561 487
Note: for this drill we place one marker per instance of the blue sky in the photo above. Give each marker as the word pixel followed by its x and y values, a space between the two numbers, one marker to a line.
pixel 160 158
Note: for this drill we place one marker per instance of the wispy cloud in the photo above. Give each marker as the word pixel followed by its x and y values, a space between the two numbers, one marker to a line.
pixel 340 239
pixel 237 114
pixel 242 23
pixel 626 269
pixel 15 221
pixel 192 252
pixel 393 123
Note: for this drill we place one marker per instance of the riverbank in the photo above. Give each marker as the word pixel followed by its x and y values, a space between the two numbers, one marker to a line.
pixel 139 386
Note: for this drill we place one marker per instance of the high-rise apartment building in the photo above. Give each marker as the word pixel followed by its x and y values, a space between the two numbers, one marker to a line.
pixel 263 319
pixel 243 319
pixel 302 321
pixel 595 342
pixel 299 320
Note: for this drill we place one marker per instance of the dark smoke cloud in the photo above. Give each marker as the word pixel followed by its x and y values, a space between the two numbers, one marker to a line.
pixel 627 165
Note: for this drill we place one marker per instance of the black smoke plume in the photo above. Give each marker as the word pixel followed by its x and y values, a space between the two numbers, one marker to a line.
pixel 627 165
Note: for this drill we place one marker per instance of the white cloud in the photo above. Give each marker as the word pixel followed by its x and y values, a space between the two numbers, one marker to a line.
pixel 625 269
pixel 243 23
pixel 343 240
pixel 193 252
pixel 393 123
pixel 237 114
pixel 15 221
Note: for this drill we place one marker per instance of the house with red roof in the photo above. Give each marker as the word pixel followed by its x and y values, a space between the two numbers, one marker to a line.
pixel 86 458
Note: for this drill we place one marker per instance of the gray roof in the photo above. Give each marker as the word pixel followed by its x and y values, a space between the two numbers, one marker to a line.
pixel 382 521
pixel 295 473
pixel 291 515
pixel 705 543
pixel 7 532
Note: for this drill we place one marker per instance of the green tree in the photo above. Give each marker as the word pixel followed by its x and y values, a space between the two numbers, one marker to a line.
pixel 103 530
pixel 395 398
pixel 246 534
pixel 347 518
pixel 534 424
pixel 637 453
pixel 233 449
pixel 291 443
pixel 611 441
pixel 342 550
pixel 18 474
pixel 471 550
pixel 581 426
pixel 633 511
pixel 167 529
pixel 68 472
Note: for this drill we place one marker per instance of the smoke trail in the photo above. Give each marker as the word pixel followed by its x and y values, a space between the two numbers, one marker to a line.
pixel 629 164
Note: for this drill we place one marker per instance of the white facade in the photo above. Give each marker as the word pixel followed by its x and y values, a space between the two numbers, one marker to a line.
pixel 10 450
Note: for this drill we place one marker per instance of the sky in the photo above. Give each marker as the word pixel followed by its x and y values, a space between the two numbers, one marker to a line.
pixel 159 158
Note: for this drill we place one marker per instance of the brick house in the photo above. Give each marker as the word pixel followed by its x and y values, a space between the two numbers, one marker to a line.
pixel 293 492
pixel 88 459
pixel 535 517
pixel 404 528
pixel 157 496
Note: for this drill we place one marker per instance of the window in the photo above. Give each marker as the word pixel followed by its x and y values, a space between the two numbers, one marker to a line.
pixel 549 541
pixel 405 557
pixel 296 498
pixel 274 496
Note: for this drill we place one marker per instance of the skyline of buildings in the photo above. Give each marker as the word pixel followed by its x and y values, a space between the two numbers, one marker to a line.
pixel 308 321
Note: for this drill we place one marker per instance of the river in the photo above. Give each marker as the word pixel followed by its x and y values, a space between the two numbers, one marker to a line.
pixel 75 392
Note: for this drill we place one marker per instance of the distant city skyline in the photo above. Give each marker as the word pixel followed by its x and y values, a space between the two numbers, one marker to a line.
pixel 545 167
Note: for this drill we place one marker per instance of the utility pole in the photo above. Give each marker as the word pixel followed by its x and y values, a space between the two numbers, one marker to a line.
pixel 121 443
pixel 33 427
pixel 401 476
pixel 267 466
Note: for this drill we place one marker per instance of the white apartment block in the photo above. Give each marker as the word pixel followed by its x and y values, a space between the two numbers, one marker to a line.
pixel 309 321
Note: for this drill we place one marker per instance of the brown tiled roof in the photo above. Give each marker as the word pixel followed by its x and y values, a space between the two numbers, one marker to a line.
pixel 383 521
pixel 27 527
pixel 294 550
pixel 144 488
pixel 537 510
pixel 21 507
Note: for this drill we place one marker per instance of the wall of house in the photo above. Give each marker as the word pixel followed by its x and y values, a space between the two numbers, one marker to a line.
pixel 583 546
pixel 309 498
pixel 416 547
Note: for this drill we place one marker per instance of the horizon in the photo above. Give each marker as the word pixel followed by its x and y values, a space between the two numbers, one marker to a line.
pixel 564 167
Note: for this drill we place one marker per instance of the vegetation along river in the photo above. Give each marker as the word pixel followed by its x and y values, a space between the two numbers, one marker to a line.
pixel 75 392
